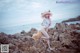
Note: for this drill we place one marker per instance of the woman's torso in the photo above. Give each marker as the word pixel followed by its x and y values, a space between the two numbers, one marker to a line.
pixel 46 22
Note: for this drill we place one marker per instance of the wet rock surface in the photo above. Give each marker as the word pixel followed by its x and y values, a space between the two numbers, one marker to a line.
pixel 63 37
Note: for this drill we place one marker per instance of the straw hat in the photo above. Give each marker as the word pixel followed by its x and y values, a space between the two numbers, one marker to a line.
pixel 46 13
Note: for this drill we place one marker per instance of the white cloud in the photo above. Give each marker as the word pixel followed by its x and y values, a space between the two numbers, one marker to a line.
pixel 36 5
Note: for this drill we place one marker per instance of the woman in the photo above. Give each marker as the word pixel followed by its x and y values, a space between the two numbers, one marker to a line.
pixel 45 26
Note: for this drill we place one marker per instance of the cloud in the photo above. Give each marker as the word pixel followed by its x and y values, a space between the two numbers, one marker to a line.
pixel 36 5
pixel 27 11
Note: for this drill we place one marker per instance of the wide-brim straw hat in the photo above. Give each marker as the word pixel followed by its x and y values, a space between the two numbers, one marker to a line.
pixel 46 13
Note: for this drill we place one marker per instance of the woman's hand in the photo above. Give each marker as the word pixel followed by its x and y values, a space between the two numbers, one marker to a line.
pixel 50 22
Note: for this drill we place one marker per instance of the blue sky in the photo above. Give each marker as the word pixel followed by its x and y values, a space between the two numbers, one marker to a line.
pixel 21 12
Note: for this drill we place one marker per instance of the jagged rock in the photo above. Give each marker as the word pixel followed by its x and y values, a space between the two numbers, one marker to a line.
pixel 56 36
pixel 32 31
pixel 65 38
pixel 23 32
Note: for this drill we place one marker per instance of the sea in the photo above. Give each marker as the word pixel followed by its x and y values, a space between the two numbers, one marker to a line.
pixel 27 27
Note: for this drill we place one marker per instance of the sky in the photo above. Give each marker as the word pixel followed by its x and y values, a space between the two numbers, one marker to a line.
pixel 21 12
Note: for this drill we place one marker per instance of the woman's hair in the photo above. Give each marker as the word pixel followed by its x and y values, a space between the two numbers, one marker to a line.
pixel 43 15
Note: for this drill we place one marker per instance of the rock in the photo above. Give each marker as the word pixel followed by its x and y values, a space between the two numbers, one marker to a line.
pixel 64 38
pixel 23 32
pixel 56 36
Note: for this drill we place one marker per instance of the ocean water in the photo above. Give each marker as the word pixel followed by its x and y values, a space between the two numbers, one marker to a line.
pixel 18 29
pixel 73 22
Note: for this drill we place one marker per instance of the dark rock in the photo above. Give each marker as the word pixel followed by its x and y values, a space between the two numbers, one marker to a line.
pixel 64 38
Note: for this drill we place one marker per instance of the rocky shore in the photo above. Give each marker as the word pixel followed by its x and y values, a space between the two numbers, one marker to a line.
pixel 65 38
pixel 72 19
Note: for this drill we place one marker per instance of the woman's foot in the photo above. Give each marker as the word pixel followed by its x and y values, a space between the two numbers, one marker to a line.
pixel 53 49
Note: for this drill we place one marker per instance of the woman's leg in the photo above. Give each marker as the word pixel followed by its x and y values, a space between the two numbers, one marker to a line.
pixel 46 29
pixel 47 37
